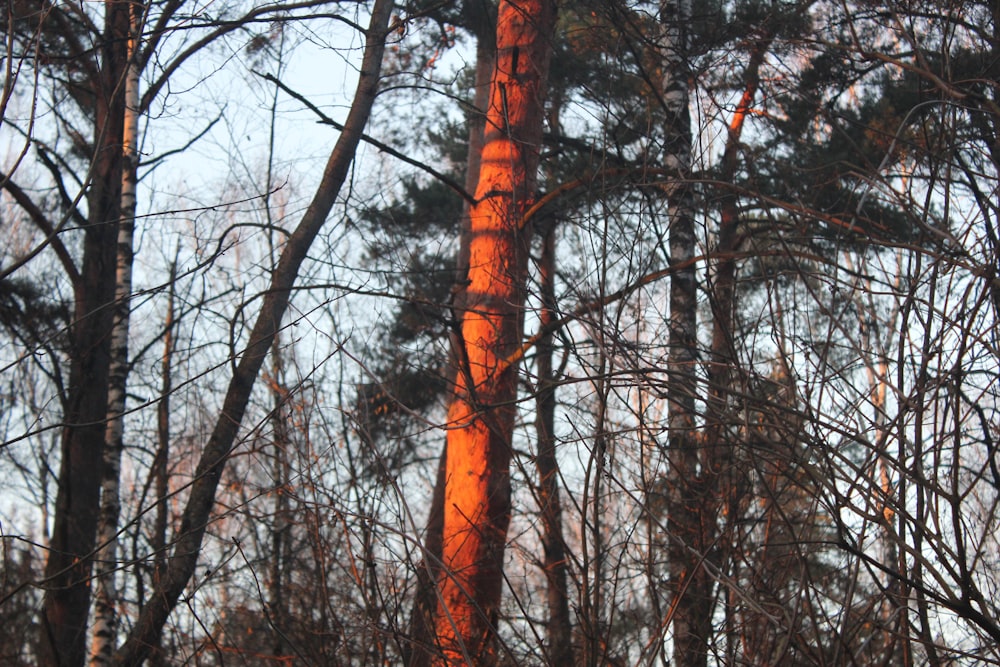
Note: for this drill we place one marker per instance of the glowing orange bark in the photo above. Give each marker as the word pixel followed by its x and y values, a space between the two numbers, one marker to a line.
pixel 481 417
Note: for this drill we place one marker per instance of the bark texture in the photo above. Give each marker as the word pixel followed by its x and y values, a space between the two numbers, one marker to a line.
pixel 690 520
pixel 105 591
pixel 420 649
pixel 476 510
pixel 559 628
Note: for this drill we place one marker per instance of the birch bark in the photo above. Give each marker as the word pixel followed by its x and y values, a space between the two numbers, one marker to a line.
pixel 68 569
pixel 105 590
pixel 690 523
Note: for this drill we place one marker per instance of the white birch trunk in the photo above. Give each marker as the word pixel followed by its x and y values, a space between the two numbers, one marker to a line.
pixel 689 522
pixel 106 592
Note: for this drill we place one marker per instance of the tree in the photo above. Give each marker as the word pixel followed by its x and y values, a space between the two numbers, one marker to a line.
pixel 69 565
pixel 96 81
pixel 105 614
pixel 476 484
pixel 724 328
pixel 212 460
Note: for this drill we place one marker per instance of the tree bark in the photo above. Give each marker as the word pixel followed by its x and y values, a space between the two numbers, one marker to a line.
pixel 281 530
pixel 481 416
pixel 160 470
pixel 721 497
pixel 66 605
pixel 481 20
pixel 197 512
pixel 105 593
pixel 690 521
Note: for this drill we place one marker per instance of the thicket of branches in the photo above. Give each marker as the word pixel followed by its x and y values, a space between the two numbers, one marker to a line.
pixel 739 402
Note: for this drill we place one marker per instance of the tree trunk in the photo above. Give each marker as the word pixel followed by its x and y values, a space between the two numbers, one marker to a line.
pixel 63 640
pixel 106 594
pixel 194 521
pixel 160 469
pixel 481 415
pixel 558 626
pixel 281 530
pixel 690 523
pixel 721 496
pixel 482 22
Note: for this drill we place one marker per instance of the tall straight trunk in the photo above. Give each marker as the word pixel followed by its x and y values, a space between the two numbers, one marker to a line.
pixel 559 626
pixel 105 592
pixel 281 531
pixel 559 650
pixel 197 512
pixel 66 605
pixel 159 472
pixel 481 416
pixel 721 496
pixel 690 523
pixel 482 22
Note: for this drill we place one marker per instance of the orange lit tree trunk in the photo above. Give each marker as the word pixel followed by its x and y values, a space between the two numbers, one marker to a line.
pixel 480 19
pixel 481 415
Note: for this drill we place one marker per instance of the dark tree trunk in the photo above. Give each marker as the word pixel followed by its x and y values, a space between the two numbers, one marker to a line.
pixel 558 626
pixel 70 561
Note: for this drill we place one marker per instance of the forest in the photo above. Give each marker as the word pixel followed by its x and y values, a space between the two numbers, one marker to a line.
pixel 500 333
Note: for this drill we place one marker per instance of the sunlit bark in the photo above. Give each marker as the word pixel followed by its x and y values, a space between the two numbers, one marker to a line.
pixel 481 20
pixel 481 417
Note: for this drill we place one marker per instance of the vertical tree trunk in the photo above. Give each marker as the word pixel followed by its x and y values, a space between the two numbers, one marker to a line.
pixel 592 617
pixel 63 640
pixel 558 627
pixel 159 470
pixel 481 20
pixel 721 496
pixel 197 512
pixel 481 416
pixel 690 524
pixel 106 594
pixel 281 531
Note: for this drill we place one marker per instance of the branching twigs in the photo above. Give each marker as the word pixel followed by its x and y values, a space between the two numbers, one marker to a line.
pixel 223 440
pixel 385 148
